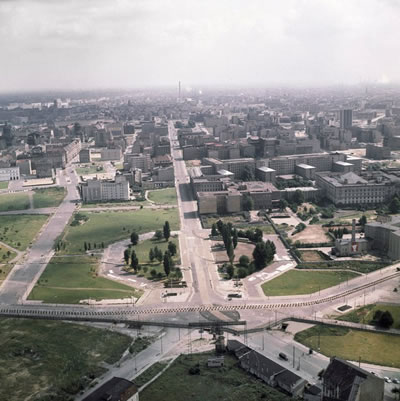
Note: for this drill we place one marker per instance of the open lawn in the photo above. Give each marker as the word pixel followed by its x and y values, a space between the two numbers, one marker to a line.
pixel 89 169
pixel 208 221
pixel 6 254
pixel 43 360
pixel 360 266
pixel 149 373
pixel 109 227
pixel 70 279
pixel 19 230
pixel 375 348
pixel 228 383
pixel 366 314
pixel 296 282
pixel 142 252
pixel 3 184
pixel 165 196
pixel 14 202
pixel 48 197
pixel 4 270
pixel 115 204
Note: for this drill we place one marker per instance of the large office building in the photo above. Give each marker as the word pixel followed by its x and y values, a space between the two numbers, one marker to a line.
pixel 105 190
pixel 353 189
pixel 346 118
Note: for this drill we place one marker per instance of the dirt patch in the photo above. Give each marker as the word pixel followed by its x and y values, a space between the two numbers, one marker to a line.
pixel 312 234
pixel 241 249
pixel 311 256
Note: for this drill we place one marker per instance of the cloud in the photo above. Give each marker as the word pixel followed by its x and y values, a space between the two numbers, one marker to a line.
pixel 124 43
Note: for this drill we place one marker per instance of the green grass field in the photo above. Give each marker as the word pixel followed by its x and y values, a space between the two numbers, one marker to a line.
pixel 6 254
pixel 70 279
pixel 3 184
pixel 19 230
pixel 165 196
pixel 115 204
pixel 228 383
pixel 43 360
pixel 149 373
pixel 4 270
pixel 14 202
pixel 366 314
pixel 296 282
pixel 48 197
pixel 90 169
pixel 142 252
pixel 379 349
pixel 109 227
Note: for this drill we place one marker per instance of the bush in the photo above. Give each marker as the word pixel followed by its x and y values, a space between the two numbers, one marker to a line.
pixel 244 261
pixel 242 273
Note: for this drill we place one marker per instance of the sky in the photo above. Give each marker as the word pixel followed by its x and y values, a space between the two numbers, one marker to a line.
pixel 85 44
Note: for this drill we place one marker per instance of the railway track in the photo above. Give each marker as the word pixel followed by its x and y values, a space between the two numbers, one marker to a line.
pixel 124 313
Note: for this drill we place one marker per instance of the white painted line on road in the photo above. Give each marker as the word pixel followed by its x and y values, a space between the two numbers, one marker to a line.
pixel 285 267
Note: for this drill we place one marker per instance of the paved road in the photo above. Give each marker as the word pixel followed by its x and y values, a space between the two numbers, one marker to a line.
pixel 23 276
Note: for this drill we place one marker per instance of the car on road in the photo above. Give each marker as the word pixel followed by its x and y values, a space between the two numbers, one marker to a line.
pixel 283 356
pixel 387 379
pixel 395 381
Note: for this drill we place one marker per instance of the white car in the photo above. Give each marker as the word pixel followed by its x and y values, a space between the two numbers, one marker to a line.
pixel 395 381
pixel 387 379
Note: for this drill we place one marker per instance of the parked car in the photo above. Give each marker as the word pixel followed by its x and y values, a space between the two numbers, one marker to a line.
pixel 387 379
pixel 283 356
pixel 395 381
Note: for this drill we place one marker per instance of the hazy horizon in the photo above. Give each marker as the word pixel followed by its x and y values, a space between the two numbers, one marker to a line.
pixel 102 45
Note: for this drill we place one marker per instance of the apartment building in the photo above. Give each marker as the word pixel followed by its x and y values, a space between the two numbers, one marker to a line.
pixel 105 190
pixel 377 152
pixel 111 154
pixel 235 166
pixel 142 161
pixel 9 173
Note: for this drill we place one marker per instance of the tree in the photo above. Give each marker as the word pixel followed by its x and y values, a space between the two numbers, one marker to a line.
pixel 298 197
pixel 134 261
pixel 158 235
pixel 396 390
pixel 158 254
pixel 127 255
pixel 385 319
pixel 134 238
pixel 283 204
pixel 229 251
pixel 166 231
pixel 234 238
pixel 152 256
pixel 85 246
pixel 247 203
pixel 244 261
pixel 167 263
pixel 394 205
pixel 260 255
pixel 363 220
pixel 258 235
pixel 153 273
pixel 172 248
pixel 214 232
pixel 220 224
pixel 242 273
pixel 229 271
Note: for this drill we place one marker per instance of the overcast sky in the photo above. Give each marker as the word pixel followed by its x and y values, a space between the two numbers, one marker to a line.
pixel 137 43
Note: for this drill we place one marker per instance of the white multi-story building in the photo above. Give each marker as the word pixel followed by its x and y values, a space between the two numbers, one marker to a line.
pixel 9 173
pixel 105 190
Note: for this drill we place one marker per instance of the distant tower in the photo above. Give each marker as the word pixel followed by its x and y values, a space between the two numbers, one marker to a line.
pixel 346 118
pixel 179 91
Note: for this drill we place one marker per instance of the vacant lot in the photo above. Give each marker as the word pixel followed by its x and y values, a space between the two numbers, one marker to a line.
pixel 355 265
pixel 4 270
pixel 234 219
pixel 241 249
pixel 14 202
pixel 165 196
pixel 366 314
pixel 89 169
pixel 6 254
pixel 142 252
pixel 296 282
pixel 3 184
pixel 19 230
pixel 229 383
pixel 109 227
pixel 48 197
pixel 43 360
pixel 311 235
pixel 70 279
pixel 311 256
pixel 379 349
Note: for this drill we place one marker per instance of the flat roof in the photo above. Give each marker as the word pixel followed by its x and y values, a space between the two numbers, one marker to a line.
pixel 307 166
pixel 266 169
pixel 344 163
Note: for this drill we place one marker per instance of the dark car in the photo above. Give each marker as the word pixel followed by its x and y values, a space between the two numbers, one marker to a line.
pixel 283 356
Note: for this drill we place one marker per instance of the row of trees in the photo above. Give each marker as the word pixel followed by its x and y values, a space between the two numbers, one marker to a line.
pixel 88 246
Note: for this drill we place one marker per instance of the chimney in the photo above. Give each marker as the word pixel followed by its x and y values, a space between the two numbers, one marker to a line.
pixel 353 231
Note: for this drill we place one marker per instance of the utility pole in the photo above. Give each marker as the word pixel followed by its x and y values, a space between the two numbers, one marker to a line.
pixel 294 355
